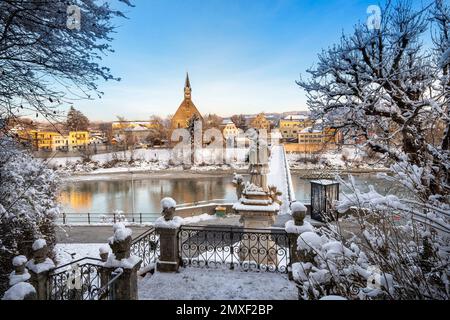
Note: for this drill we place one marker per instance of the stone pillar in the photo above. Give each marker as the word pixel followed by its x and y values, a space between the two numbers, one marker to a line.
pixel 167 228
pixel 294 228
pixel 39 268
pixel 20 289
pixel 169 259
pixel 125 287
pixel 104 272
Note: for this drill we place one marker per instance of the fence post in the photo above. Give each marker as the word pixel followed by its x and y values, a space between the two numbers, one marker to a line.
pixel 18 282
pixel 39 268
pixel 294 228
pixel 89 218
pixel 140 217
pixel 114 217
pixel 231 248
pixel 126 286
pixel 167 228
pixel 64 218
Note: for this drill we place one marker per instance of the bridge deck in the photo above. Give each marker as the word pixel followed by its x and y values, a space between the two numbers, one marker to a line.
pixel 280 176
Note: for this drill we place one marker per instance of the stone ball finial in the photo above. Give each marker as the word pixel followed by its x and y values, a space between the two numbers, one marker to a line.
pixel 19 263
pixel 120 243
pixel 168 208
pixel 298 212
pixel 104 253
pixel 40 251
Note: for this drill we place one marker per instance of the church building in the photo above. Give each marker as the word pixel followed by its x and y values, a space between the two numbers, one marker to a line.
pixel 186 110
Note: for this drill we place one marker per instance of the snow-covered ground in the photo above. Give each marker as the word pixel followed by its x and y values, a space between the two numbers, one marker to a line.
pixel 63 251
pixel 347 158
pixel 221 284
pixel 279 177
pixel 208 160
pixel 196 283
pixel 151 160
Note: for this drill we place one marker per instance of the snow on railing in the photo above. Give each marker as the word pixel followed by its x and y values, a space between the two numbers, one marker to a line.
pixel 290 185
pixel 280 176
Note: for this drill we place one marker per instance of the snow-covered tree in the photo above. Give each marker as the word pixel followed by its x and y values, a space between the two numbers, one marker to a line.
pixel 48 47
pixel 383 85
pixel 76 120
pixel 28 204
pixel 50 54
pixel 441 39
pixel 376 252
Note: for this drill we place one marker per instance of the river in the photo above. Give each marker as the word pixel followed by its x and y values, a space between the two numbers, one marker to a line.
pixel 143 194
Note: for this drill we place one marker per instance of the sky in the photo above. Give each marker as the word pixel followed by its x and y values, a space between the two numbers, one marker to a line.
pixel 243 56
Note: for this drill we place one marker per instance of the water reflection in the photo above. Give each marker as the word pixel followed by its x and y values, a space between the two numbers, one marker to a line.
pixel 111 195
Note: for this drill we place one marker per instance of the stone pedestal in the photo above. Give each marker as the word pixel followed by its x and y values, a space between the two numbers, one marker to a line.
pixel 125 287
pixel 40 284
pixel 257 219
pixel 293 253
pixel 39 268
pixel 169 260
pixel 294 228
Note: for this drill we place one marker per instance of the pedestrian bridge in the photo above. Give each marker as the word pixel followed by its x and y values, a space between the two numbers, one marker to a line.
pixel 280 176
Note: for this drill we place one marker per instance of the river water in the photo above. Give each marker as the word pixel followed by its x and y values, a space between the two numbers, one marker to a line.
pixel 143 195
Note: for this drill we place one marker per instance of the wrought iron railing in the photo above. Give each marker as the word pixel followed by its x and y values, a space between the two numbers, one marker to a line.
pixel 90 218
pixel 265 250
pixel 83 279
pixel 146 247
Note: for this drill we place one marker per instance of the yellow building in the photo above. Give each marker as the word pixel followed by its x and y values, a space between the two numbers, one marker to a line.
pixel 260 122
pixel 55 141
pixel 43 140
pixel 291 126
pixel 186 110
pixel 312 140
pixel 78 139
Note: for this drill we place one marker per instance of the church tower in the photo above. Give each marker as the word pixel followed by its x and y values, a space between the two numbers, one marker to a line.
pixel 186 110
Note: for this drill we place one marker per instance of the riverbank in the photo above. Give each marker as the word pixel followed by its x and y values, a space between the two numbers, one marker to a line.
pixel 137 173
pixel 331 173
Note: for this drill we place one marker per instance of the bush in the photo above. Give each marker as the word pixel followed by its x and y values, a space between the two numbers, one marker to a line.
pixel 28 205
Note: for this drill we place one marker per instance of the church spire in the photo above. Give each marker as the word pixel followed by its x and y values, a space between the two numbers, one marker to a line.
pixel 188 83
pixel 187 87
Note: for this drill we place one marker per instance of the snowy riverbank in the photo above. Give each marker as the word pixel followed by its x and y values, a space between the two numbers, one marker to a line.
pixel 159 163
pixel 150 161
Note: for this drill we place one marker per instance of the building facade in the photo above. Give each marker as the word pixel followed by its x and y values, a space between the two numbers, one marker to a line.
pixel 314 140
pixel 291 126
pixel 186 110
pixel 55 141
pixel 229 130
pixel 260 122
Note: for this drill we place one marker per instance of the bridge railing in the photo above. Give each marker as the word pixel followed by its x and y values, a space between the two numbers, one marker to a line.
pixel 290 185
pixel 106 218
